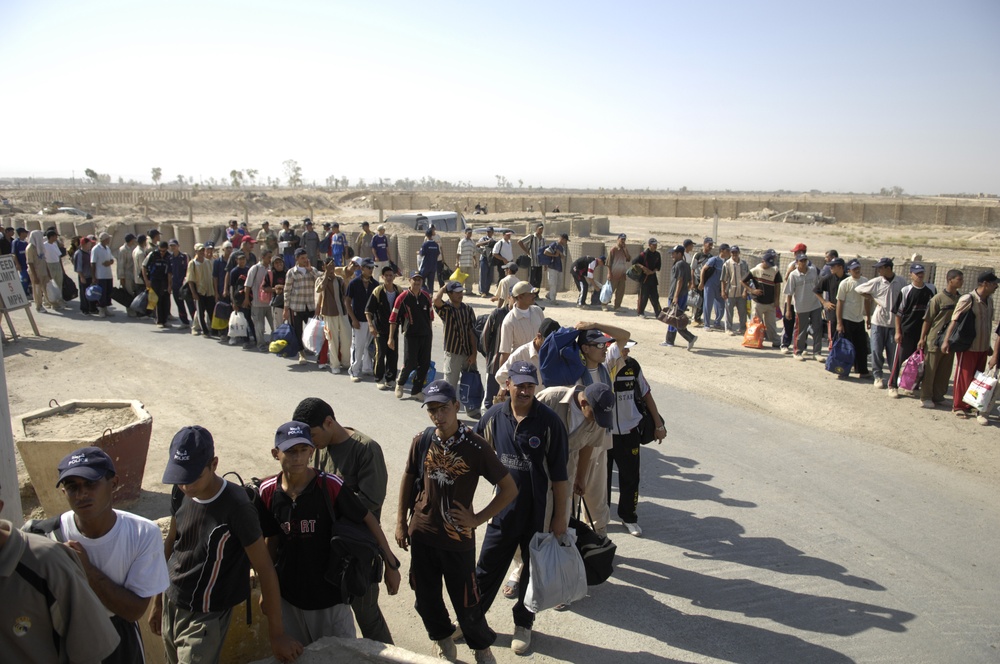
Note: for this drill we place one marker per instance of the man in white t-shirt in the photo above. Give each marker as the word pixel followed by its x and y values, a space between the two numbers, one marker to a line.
pixel 121 553
pixel 503 251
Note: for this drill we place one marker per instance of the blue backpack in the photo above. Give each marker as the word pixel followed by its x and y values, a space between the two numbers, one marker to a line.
pixel 284 332
pixel 559 359
pixel 470 390
pixel 841 357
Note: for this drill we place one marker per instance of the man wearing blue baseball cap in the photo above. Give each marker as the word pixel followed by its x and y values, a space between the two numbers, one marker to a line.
pixel 437 521
pixel 908 317
pixel 854 316
pixel 121 553
pixel 296 519
pixel 762 284
pixel 214 539
pixel 530 440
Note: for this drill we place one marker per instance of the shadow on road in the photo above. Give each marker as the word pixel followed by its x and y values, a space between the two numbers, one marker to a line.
pixel 31 345
pixel 825 615
pixel 704 635
pixel 668 480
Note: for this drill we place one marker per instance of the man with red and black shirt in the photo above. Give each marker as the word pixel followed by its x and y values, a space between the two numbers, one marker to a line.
pixel 414 308
pixel 446 462
pixel 297 523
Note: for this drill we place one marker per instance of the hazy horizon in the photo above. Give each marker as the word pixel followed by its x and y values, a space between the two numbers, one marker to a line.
pixel 769 96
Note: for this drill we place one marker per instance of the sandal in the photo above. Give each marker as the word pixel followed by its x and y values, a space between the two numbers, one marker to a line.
pixel 510 589
pixel 961 414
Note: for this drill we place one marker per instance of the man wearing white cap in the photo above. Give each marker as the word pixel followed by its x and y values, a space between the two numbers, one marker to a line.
pixel 522 323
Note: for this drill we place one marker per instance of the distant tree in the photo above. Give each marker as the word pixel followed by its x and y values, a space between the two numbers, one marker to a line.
pixel 180 180
pixel 157 174
pixel 293 172
pixel 92 175
pixel 121 180
pixel 331 181
pixel 520 184
pixel 236 178
pixel 361 183
pixel 252 176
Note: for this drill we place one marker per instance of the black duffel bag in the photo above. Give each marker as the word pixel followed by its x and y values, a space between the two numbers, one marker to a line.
pixel 598 552
pixel 69 289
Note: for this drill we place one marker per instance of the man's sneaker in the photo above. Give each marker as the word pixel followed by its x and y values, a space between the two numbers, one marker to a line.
pixel 380 385
pixel 633 529
pixel 302 359
pixel 801 357
pixel 879 385
pixel 385 386
pixel 893 393
pixel 982 420
pixel 691 343
pixel 355 379
pixel 521 640
pixel 322 366
pixel 445 649
pixel 335 369
pixel 195 332
pixel 732 333
pixel 667 344
pixel 927 403
pixel 399 391
pixel 819 357
pixel 786 350
pixel 485 656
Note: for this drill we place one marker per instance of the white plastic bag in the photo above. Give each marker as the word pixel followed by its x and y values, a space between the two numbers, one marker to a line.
pixel 557 572
pixel 313 335
pixel 981 390
pixel 238 326
pixel 607 292
pixel 53 292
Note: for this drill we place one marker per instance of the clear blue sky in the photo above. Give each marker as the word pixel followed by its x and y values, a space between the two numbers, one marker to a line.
pixel 846 96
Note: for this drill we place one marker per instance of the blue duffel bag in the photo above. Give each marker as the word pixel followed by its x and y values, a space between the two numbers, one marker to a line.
pixel 841 357
pixel 293 345
pixel 470 390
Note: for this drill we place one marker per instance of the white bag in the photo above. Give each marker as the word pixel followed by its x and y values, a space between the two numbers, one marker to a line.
pixel 557 572
pixel 238 326
pixel 313 335
pixel 606 292
pixel 981 390
pixel 53 291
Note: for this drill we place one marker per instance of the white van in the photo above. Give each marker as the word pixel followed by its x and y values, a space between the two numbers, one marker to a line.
pixel 421 221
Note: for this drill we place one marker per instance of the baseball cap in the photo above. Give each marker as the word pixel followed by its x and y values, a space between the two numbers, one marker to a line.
pixel 90 463
pixel 173 243
pixel 368 262
pixel 335 225
pixel 210 245
pixel 247 239
pixel 884 262
pixel 987 278
pixel 227 245
pixel 916 268
pixel 291 434
pixel 799 248
pixel 707 240
pixel 602 399
pixel 734 249
pixel 522 288
pixel 191 450
pixel 801 257
pixel 769 256
pixel 238 255
pixel 522 372
pixel 439 391
pixel 688 242
pixel 381 227
pixel 837 261
pixel 547 327
pixel 300 252
pixel 198 246
pixel 489 229
pixel 358 260
pixel 622 236
pixel 678 249
pixel 854 264
pixel 602 258
pixel 416 275
pixel 510 266
pixel 594 337
pixel 454 287
pixel 564 236
pixel 308 221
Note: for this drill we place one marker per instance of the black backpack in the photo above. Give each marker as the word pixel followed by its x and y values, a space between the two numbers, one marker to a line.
pixel 51 528
pixel 355 560
pixel 964 334
pixel 479 327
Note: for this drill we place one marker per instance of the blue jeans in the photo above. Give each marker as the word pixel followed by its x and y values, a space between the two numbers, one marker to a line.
pixel 712 304
pixel 883 347
pixel 485 275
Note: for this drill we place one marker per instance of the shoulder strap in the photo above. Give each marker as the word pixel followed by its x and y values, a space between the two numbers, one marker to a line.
pixel 321 485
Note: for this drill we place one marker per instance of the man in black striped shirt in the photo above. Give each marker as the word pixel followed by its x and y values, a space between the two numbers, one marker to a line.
pixel 459 333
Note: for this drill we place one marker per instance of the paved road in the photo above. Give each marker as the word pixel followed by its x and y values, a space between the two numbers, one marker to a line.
pixel 764 541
